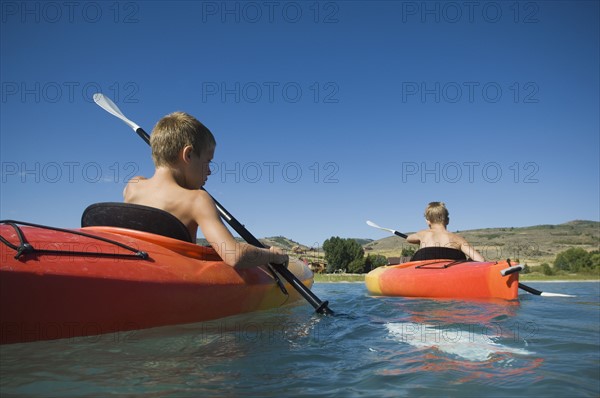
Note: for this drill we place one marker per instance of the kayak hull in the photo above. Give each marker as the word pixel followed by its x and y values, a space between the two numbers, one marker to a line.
pixel 53 296
pixel 444 279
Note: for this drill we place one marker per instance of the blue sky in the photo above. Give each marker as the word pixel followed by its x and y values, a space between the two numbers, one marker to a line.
pixel 326 114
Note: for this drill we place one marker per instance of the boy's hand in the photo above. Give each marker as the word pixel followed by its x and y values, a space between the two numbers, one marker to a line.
pixel 279 257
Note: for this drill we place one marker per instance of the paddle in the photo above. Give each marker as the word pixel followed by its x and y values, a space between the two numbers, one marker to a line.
pixel 505 272
pixel 321 307
pixel 540 293
pixel 400 234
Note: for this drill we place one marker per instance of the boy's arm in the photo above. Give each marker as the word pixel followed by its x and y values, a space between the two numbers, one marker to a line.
pixel 414 238
pixel 234 253
pixel 470 252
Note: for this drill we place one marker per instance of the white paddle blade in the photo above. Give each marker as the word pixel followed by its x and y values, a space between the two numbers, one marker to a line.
pixel 372 224
pixel 110 107
pixel 548 294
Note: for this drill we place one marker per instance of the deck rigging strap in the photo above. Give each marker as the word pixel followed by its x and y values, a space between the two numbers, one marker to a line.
pixel 25 247
pixel 450 264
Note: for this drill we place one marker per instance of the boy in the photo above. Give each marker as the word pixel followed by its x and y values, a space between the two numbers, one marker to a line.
pixel 437 217
pixel 182 149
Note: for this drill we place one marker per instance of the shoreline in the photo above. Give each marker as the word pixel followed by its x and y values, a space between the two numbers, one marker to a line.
pixel 360 278
pixel 557 281
pixel 562 280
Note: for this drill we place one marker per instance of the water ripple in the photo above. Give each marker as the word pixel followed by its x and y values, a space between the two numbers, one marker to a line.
pixel 374 347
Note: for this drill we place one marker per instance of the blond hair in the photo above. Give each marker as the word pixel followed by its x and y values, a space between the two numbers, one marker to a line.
pixel 437 213
pixel 174 132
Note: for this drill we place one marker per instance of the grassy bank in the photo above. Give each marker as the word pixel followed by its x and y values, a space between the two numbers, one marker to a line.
pixel 340 277
pixel 534 276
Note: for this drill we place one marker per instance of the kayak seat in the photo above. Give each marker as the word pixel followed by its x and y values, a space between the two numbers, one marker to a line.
pixel 436 252
pixel 137 217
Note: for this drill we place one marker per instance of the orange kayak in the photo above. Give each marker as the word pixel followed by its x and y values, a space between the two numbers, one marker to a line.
pixel 61 284
pixel 444 279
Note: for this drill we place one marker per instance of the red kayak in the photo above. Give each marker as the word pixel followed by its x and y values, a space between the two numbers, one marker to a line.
pixel 445 279
pixel 66 283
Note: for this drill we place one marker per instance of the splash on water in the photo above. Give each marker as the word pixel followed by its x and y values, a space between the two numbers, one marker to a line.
pixel 472 345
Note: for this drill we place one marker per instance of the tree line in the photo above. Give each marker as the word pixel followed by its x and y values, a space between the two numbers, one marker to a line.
pixel 348 255
pixel 574 260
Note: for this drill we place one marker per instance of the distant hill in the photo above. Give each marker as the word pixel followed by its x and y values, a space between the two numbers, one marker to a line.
pixel 282 242
pixel 532 245
pixel 363 242
pixel 279 241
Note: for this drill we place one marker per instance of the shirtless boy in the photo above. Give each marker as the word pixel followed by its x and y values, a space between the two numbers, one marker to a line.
pixel 182 149
pixel 437 217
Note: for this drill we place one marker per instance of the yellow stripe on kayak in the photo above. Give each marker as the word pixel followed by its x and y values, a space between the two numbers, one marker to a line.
pixel 372 280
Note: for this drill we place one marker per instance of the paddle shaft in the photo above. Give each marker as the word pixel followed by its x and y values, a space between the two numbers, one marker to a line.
pixel 320 307
pixel 530 289
pixel 400 234
pixel 143 135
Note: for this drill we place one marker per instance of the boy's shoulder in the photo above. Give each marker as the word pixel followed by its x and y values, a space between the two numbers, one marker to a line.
pixel 457 237
pixel 135 180
pixel 200 197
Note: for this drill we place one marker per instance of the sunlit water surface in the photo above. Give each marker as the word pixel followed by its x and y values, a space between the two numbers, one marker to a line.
pixel 373 346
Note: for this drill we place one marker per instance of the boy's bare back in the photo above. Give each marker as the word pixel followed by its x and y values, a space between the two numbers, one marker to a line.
pixel 166 195
pixel 437 235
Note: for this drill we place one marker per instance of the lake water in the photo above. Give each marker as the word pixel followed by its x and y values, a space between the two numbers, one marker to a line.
pixel 373 347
